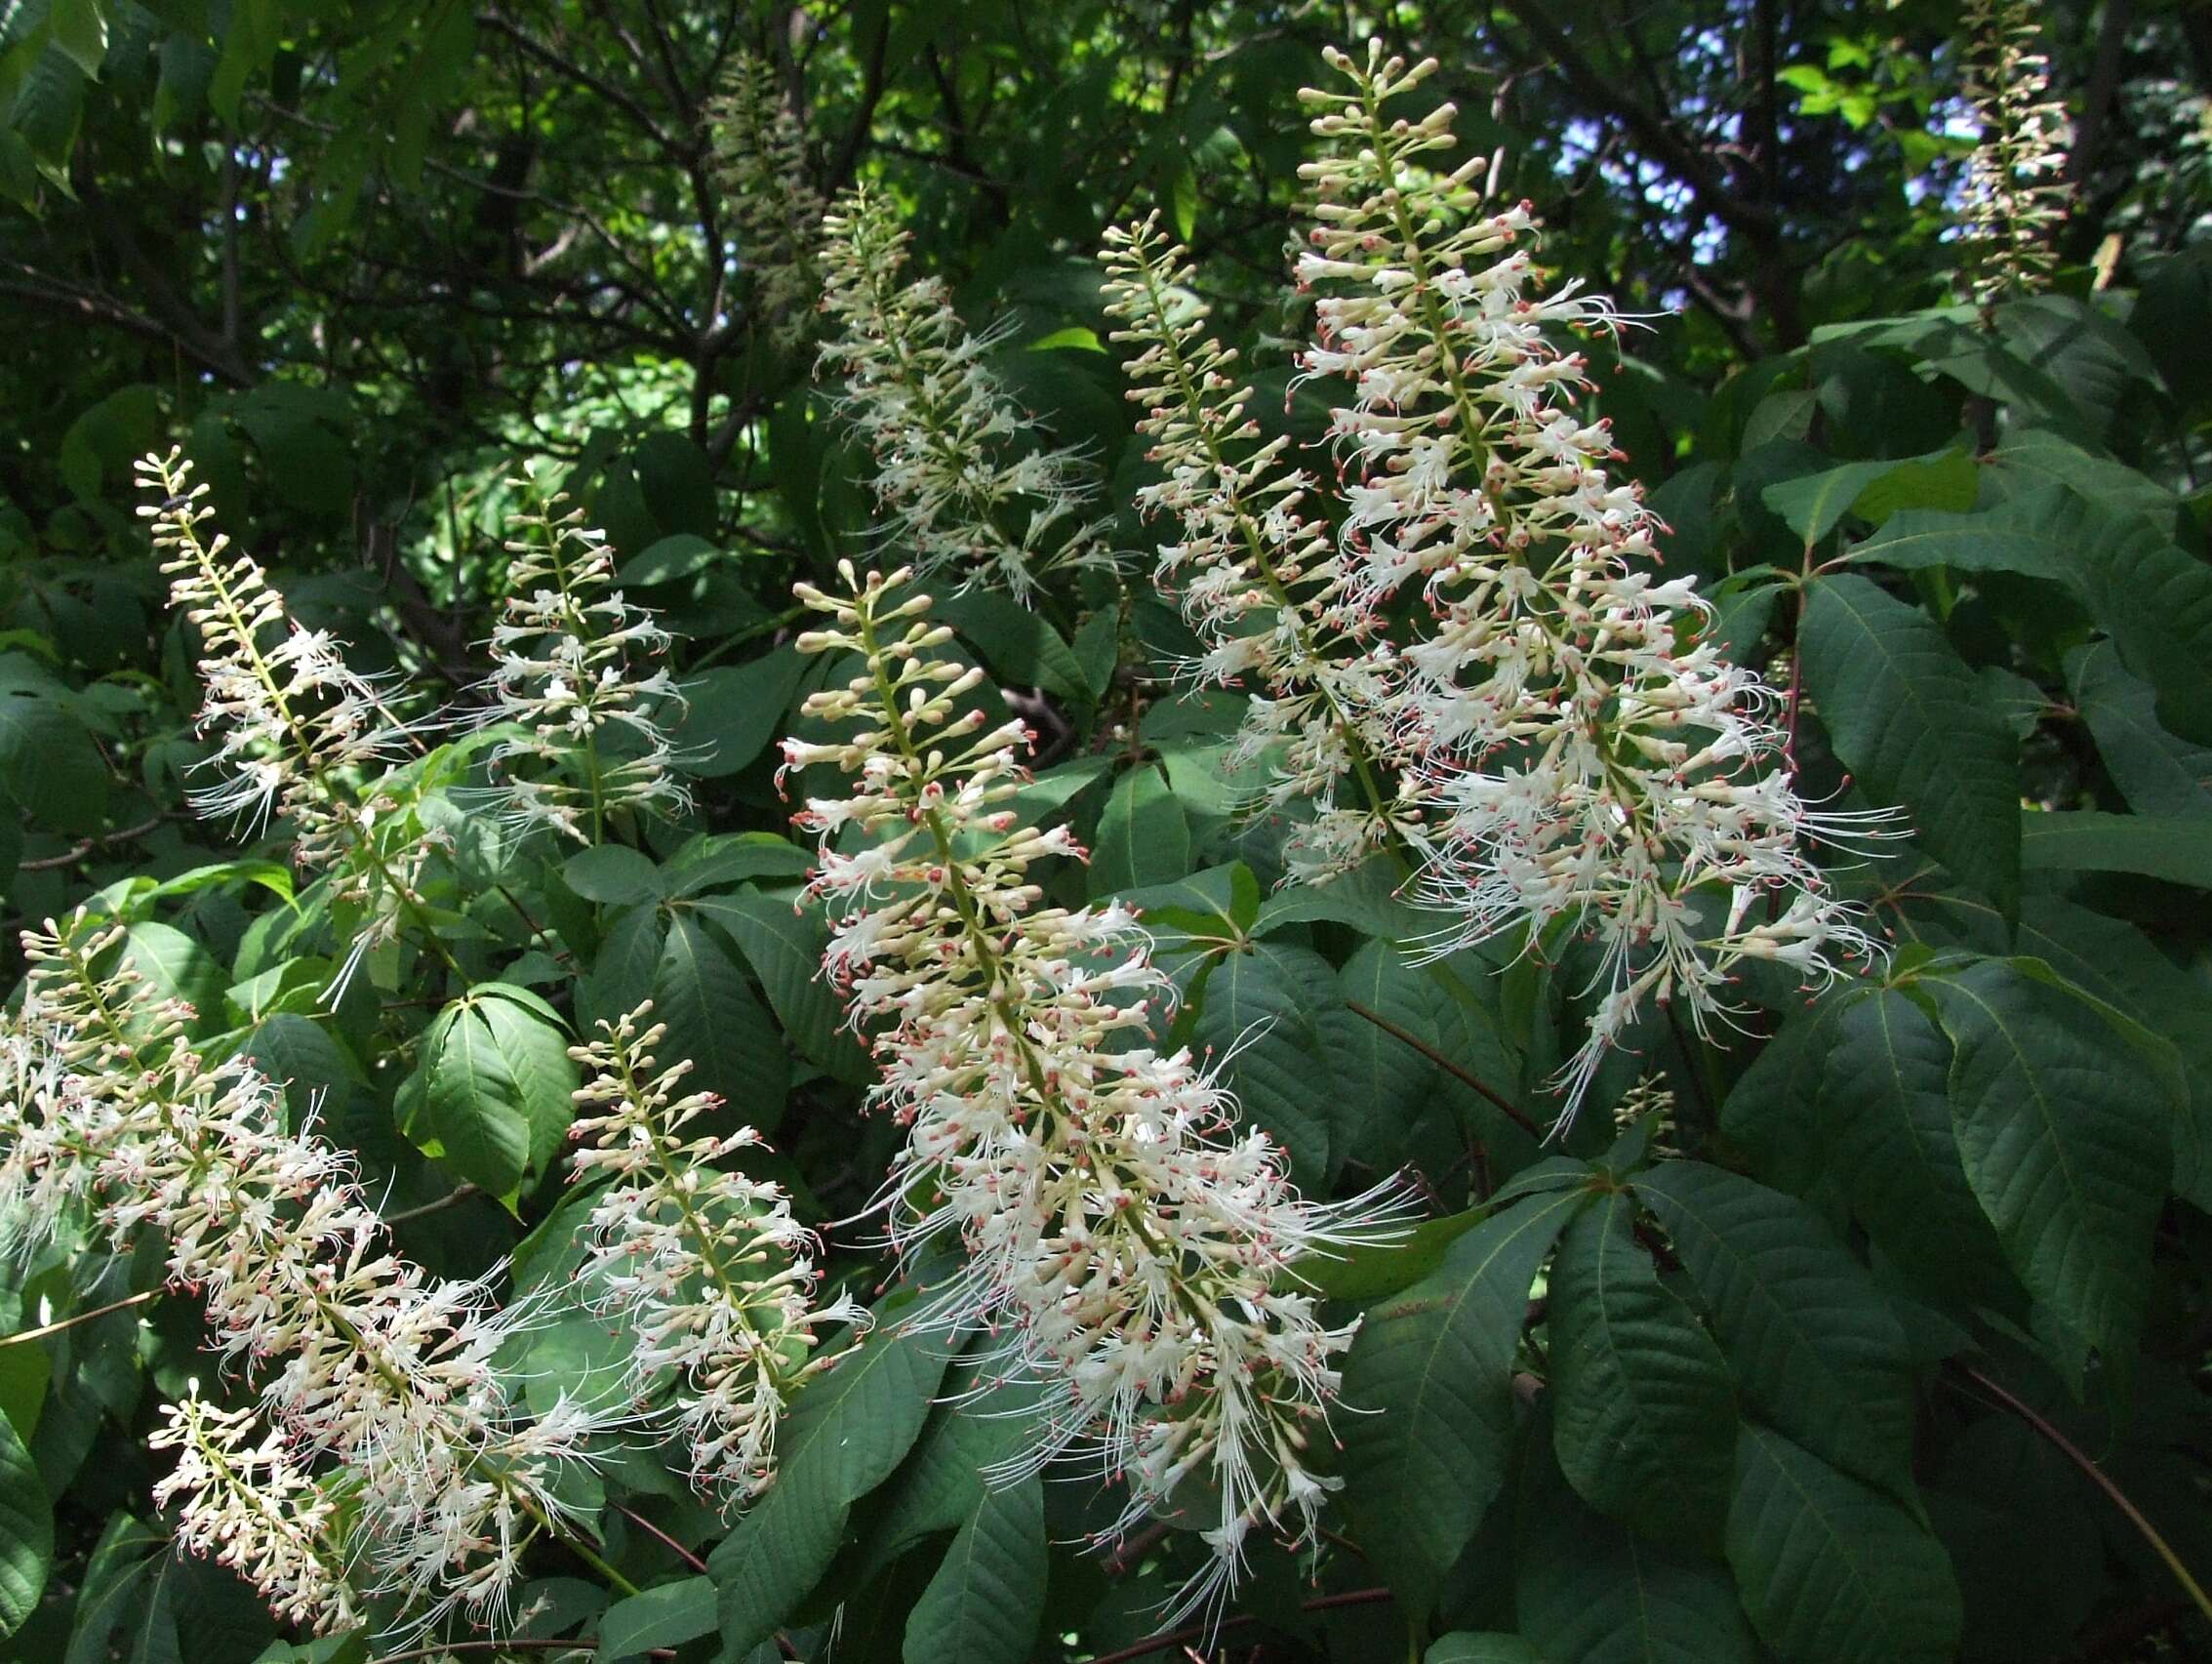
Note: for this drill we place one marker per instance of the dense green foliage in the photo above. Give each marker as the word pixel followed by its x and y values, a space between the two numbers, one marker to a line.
pixel 1874 1329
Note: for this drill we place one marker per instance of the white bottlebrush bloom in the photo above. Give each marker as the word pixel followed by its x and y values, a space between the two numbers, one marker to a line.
pixel 958 488
pixel 244 1502
pixel 577 671
pixel 707 1268
pixel 758 155
pixel 1136 1248
pixel 369 1366
pixel 298 733
pixel 2015 191
pixel 1256 567
pixel 1581 750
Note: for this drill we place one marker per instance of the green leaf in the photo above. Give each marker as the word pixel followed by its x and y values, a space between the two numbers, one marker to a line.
pixel 714 1019
pixel 2176 848
pixel 685 554
pixel 985 1601
pixel 1016 642
pixel 1590 1589
pixel 1907 716
pixel 665 1616
pixel 1434 1367
pixel 498 1086
pixel 1814 1346
pixel 2158 773
pixel 2064 1141
pixel 1144 836
pixel 611 873
pixel 1883 1094
pixel 846 1431
pixel 677 483
pixel 1258 1020
pixel 27 1533
pixel 1480 1647
pixel 1814 505
pixel 2041 534
pixel 784 945
pixel 79 29
pixel 734 712
pixel 1643 1414
pixel 1832 1571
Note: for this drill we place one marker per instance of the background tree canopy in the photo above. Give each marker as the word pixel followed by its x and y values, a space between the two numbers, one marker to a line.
pixel 1872 1325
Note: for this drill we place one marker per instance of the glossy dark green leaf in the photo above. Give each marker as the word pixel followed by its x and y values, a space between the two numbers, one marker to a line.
pixel 1644 1413
pixel 27 1533
pixel 1831 1570
pixel 1813 1344
pixel 1906 715
pixel 2066 1141
pixel 1434 1367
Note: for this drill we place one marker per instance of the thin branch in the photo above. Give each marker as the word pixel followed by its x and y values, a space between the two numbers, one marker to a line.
pixel 2097 1477
pixel 1456 1071
pixel 84 846
pixel 70 1323
pixel 451 1198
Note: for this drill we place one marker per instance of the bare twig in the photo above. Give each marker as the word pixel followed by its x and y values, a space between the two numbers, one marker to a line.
pixel 72 1321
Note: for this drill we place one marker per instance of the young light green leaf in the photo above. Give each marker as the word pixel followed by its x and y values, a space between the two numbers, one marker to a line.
pixel 1831 1570
pixel 1906 715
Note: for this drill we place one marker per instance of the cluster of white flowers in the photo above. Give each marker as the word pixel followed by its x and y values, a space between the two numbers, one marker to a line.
pixel 2015 192
pixel 758 155
pixel 1552 739
pixel 301 735
pixel 368 1365
pixel 576 669
pixel 244 1500
pixel 1139 1251
pixel 707 1265
pixel 1256 568
pixel 957 487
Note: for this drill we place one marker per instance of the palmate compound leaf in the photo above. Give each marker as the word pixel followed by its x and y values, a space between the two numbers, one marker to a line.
pixel 1643 1413
pixel 2067 1140
pixel 1910 719
pixel 714 1020
pixel 846 1431
pixel 1433 1371
pixel 1814 1346
pixel 1831 1570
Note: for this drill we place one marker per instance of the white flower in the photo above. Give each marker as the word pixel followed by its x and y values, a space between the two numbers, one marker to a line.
pixel 250 1507
pixel 956 490
pixel 1124 1237
pixel 366 1362
pixel 576 667
pixel 707 1265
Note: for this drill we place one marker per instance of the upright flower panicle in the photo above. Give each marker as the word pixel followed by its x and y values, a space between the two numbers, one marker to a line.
pixel 299 735
pixel 956 488
pixel 1256 568
pixel 707 1264
pixel 367 1363
pixel 758 155
pixel 577 671
pixel 1584 752
pixel 245 1503
pixel 2015 191
pixel 1140 1250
